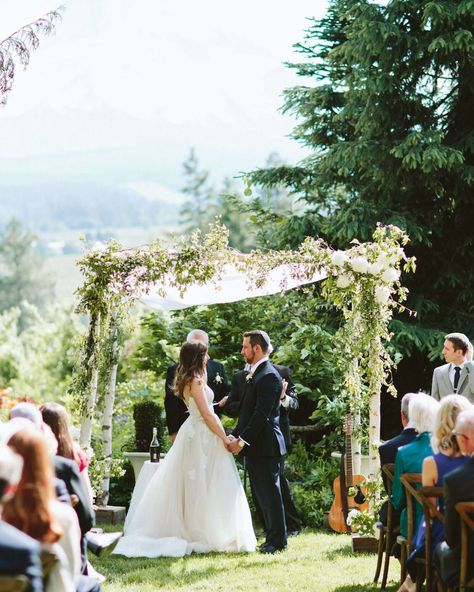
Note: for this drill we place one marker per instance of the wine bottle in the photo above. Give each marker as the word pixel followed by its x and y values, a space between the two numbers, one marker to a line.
pixel 155 447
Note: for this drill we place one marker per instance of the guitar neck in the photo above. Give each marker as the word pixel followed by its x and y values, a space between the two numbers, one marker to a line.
pixel 349 473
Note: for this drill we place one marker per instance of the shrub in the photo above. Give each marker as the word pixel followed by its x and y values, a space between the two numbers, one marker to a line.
pixel 147 415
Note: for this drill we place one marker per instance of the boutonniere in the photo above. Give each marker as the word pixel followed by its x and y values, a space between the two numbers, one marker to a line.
pixel 249 376
pixel 218 378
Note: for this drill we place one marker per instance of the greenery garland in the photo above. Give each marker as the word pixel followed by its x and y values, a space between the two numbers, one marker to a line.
pixel 363 282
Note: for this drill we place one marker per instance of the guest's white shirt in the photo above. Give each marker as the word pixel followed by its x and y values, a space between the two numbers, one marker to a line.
pixel 64 575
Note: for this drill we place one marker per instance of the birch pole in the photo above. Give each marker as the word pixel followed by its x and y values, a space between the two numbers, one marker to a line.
pixel 92 362
pixel 107 417
pixel 374 411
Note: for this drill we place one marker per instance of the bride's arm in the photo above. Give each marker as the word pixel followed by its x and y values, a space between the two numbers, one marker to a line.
pixel 212 421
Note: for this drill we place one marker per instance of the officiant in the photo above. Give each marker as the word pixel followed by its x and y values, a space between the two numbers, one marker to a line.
pixel 175 408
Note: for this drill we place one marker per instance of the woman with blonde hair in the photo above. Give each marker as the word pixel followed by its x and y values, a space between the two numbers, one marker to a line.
pixel 445 459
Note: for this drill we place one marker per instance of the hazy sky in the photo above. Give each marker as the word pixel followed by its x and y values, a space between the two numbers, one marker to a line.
pixel 125 88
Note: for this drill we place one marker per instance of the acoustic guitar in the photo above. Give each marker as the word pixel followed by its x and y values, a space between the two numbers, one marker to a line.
pixel 337 515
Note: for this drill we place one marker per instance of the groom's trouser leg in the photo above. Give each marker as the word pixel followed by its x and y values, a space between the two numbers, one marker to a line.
pixel 292 519
pixel 264 473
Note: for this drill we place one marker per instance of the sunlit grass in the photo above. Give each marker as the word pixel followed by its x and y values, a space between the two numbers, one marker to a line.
pixel 313 561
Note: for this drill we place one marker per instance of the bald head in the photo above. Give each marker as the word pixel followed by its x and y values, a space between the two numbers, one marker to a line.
pixel 465 431
pixel 198 334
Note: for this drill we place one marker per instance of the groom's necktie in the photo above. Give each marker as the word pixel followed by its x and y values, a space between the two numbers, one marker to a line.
pixel 457 373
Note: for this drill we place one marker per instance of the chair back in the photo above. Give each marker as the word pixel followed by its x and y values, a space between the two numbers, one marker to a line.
pixel 409 482
pixel 48 560
pixel 388 470
pixel 18 583
pixel 466 514
pixel 425 496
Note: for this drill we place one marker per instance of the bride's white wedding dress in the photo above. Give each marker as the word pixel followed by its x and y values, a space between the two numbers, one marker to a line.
pixel 195 501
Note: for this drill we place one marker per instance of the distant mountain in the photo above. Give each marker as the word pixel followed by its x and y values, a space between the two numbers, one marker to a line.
pixel 54 207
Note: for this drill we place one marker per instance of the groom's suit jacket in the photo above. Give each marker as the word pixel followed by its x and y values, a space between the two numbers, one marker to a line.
pixel 442 386
pixel 175 408
pixel 237 390
pixel 259 417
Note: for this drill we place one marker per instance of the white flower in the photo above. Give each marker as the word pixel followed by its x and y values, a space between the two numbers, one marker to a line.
pixel 375 268
pixel 218 378
pixel 350 517
pixel 390 275
pixel 338 258
pixel 382 294
pixel 383 259
pixel 360 264
pixel 343 281
pixel 249 376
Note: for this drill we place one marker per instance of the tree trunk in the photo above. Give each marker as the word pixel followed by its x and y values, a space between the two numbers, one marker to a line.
pixel 374 435
pixel 107 418
pixel 86 424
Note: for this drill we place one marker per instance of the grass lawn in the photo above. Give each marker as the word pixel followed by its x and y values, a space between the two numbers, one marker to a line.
pixel 314 560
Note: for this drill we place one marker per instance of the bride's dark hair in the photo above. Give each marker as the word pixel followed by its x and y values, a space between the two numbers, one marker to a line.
pixel 191 364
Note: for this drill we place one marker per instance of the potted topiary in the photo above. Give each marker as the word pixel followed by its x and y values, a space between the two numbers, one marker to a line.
pixel 147 415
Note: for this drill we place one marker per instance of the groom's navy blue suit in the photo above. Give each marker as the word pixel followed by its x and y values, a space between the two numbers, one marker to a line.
pixel 258 425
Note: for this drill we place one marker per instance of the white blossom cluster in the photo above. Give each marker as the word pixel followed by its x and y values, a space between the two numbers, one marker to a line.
pixel 384 267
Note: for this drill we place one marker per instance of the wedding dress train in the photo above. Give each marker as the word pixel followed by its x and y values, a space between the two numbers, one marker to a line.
pixel 194 502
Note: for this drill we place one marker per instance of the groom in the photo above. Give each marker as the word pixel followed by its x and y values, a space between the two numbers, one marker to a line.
pixel 258 436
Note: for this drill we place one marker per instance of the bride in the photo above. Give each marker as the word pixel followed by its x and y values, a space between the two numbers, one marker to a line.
pixel 195 501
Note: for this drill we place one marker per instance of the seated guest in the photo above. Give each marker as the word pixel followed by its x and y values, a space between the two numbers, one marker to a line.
pixel 56 417
pixel 458 487
pixel 35 511
pixel 19 553
pixel 388 450
pixel 410 457
pixel 447 457
pixel 33 414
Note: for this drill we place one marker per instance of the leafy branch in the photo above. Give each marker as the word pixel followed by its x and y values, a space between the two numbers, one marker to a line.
pixel 20 44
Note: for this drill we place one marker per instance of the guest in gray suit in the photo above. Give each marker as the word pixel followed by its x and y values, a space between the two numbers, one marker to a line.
pixel 457 375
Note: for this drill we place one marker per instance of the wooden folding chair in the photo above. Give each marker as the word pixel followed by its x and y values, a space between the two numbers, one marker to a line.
pixel 466 513
pixel 409 480
pixel 48 560
pixel 424 496
pixel 18 583
pixel 388 533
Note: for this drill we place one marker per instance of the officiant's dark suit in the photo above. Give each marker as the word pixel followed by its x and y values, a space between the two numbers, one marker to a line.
pixel 232 408
pixel 458 487
pixel 175 409
pixel 259 427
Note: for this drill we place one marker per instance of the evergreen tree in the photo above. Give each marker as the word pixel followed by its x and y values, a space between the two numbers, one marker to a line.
pixel 198 210
pixel 387 113
pixel 22 279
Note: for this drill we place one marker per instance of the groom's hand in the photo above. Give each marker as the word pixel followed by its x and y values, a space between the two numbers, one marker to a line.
pixel 234 446
pixel 228 441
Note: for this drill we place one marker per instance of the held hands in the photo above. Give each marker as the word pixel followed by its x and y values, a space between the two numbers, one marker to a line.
pixel 232 444
pixel 284 386
pixel 223 401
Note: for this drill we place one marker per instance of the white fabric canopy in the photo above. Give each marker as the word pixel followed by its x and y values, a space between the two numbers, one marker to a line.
pixel 233 286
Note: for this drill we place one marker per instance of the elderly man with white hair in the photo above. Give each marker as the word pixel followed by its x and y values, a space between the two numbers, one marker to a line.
pixel 176 412
pixel 422 410
pixel 19 553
